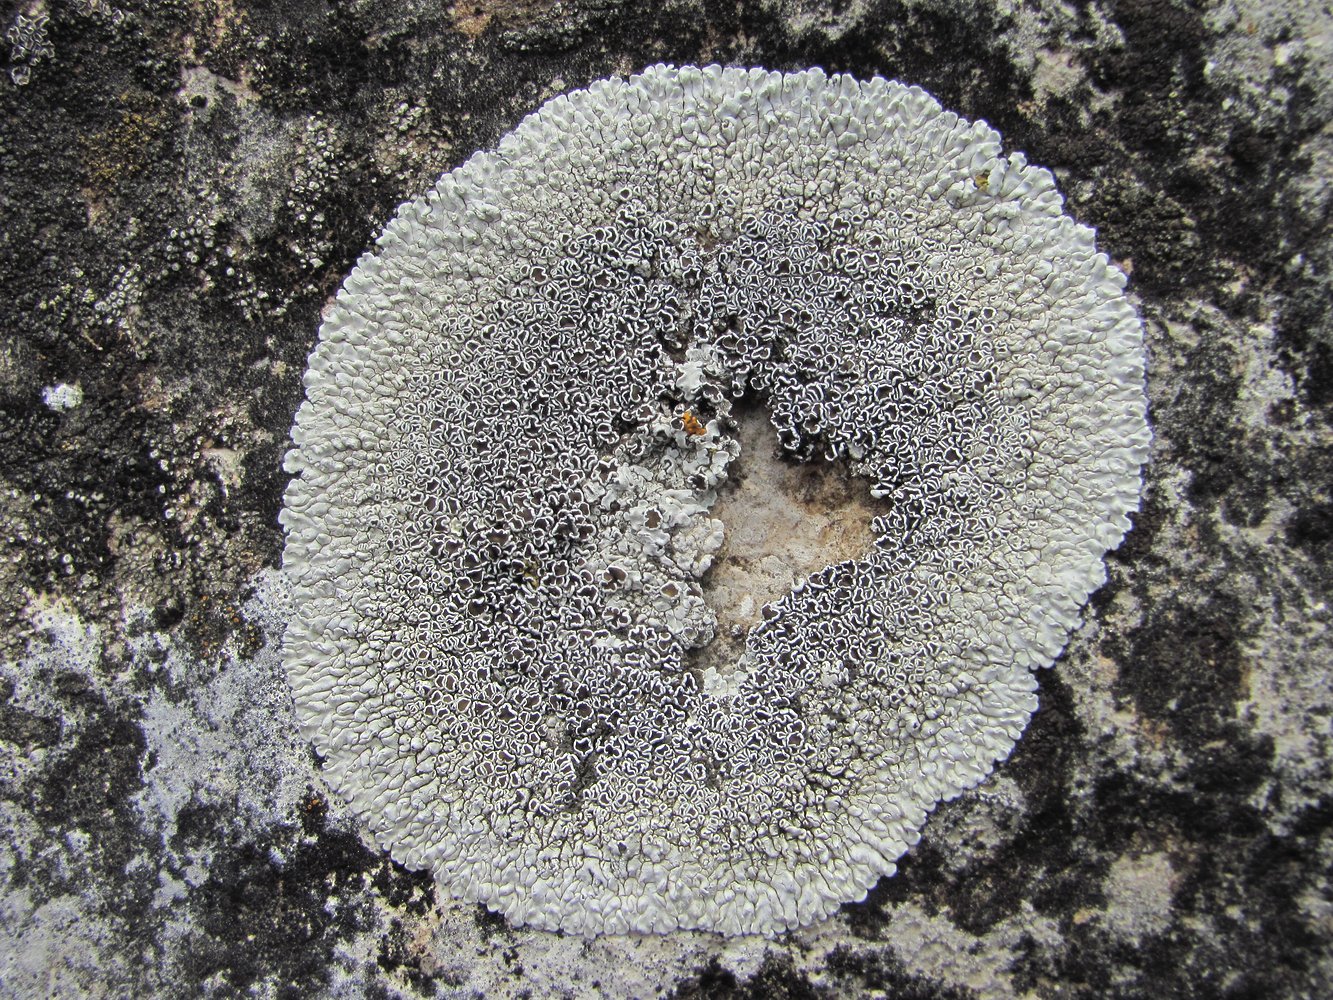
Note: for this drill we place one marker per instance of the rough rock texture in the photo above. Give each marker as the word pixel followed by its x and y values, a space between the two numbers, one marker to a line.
pixel 185 184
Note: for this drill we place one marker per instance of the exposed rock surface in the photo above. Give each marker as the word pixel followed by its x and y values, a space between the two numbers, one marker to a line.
pixel 184 185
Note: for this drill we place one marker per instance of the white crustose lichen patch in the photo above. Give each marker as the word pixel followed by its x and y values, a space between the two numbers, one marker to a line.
pixel 518 419
pixel 63 397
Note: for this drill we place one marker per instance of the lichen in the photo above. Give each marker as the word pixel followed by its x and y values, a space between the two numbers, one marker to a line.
pixel 501 521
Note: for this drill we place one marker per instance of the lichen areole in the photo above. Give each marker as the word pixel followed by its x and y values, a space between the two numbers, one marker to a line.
pixel 519 416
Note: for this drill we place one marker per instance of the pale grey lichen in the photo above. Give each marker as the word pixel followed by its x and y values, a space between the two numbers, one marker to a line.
pixel 519 416
pixel 29 45
pixel 63 396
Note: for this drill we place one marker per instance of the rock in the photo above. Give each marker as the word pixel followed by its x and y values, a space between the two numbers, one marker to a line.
pixel 185 185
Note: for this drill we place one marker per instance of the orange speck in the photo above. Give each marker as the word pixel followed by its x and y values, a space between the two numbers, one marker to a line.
pixel 692 424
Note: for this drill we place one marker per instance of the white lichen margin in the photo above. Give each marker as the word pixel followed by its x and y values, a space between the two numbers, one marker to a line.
pixel 517 419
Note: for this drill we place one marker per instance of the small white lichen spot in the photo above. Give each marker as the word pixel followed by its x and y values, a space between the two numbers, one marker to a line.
pixel 518 419
pixel 62 397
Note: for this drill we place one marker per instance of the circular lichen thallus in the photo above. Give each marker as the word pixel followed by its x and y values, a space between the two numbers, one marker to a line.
pixel 589 406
